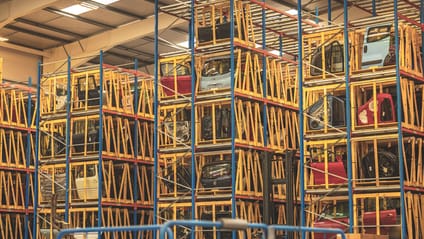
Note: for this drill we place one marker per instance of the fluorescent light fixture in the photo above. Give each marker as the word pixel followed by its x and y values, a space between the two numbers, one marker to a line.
pixel 275 52
pixel 292 12
pixel 78 9
pixel 83 7
pixel 3 39
pixel 105 2
pixel 183 44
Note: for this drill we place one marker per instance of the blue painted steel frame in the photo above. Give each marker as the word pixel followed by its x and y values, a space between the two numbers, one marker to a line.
pixel 399 121
pixel 301 118
pixel 374 9
pixel 135 142
pixel 422 32
pixel 348 114
pixel 280 45
pixel 37 136
pixel 99 168
pixel 68 138
pixel 329 12
pixel 264 74
pixel 233 125
pixel 64 232
pixel 156 118
pixel 193 116
pixel 28 160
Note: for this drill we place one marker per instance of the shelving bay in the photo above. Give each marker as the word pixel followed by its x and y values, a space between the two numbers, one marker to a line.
pixel 239 119
pixel 17 155
pixel 357 169
pixel 95 164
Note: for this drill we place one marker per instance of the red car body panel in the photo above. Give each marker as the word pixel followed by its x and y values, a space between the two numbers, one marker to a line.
pixel 387 219
pixel 366 111
pixel 183 84
pixel 334 168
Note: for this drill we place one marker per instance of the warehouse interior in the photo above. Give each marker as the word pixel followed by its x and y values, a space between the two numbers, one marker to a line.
pixel 243 118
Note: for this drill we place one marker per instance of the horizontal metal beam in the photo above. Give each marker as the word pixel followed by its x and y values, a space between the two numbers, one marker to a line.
pixel 85 49
pixel 37 34
pixel 79 18
pixel 50 28
pixel 11 10
pixel 24 49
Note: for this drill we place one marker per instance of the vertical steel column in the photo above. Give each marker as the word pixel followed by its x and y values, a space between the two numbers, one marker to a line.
pixel 422 29
pixel 68 138
pixel 100 166
pixel 329 12
pixel 233 119
pixel 135 143
pixel 264 83
pixel 348 113
pixel 316 15
pixel 399 122
pixel 156 118
pixel 28 161
pixel 267 201
pixel 374 9
pixel 37 142
pixel 280 45
pixel 193 116
pixel 301 123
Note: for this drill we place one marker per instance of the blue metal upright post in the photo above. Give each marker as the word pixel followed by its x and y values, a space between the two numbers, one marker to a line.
pixel 329 12
pixel 99 167
pixel 233 125
pixel 135 142
pixel 264 75
pixel 68 138
pixel 348 114
pixel 374 9
pixel 316 15
pixel 37 142
pixel 156 118
pixel 399 122
pixel 280 45
pixel 28 160
pixel 422 31
pixel 193 116
pixel 301 120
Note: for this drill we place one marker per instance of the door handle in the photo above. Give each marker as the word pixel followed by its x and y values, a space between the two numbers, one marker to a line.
pixel 365 49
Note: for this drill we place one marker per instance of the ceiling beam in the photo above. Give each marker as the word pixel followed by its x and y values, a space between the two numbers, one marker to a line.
pixel 50 28
pixel 85 49
pixel 37 34
pixel 10 10
pixel 77 17
pixel 24 49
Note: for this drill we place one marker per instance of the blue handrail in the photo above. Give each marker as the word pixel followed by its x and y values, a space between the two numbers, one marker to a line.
pixel 99 230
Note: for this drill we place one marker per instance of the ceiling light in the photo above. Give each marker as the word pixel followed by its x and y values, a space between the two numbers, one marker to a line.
pixel 292 12
pixel 183 44
pixel 78 9
pixel 105 2
pixel 275 52
pixel 2 39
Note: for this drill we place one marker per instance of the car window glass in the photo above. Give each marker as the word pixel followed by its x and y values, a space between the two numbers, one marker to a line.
pixel 378 33
pixel 216 67
pixel 167 69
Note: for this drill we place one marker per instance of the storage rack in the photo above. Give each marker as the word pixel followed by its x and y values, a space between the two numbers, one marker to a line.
pixel 95 159
pixel 17 131
pixel 261 116
pixel 337 169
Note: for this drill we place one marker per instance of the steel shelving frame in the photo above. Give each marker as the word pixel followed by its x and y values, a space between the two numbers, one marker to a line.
pixel 380 12
pixel 17 164
pixel 137 164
